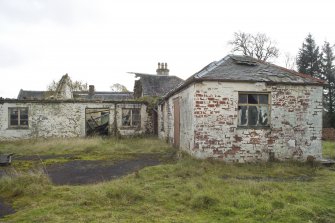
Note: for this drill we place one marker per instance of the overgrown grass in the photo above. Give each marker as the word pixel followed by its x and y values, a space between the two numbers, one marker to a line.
pixel 63 150
pixel 328 149
pixel 188 190
pixel 94 146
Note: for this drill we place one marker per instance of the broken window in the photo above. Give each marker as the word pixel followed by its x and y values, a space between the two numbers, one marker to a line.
pixel 253 109
pixel 97 121
pixel 131 117
pixel 18 117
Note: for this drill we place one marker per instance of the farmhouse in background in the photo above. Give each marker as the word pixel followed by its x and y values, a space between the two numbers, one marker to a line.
pixel 155 85
pixel 240 109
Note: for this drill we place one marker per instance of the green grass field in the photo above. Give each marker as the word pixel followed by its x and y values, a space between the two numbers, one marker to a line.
pixel 184 190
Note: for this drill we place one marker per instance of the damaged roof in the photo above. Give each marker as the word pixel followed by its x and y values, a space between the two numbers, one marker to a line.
pixel 245 68
pixel 78 95
pixel 156 85
pixel 234 68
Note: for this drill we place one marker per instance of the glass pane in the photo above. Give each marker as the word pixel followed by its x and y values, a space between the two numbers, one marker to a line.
pixel 126 117
pixel 242 112
pixel 263 115
pixel 252 115
pixel 242 98
pixel 136 117
pixel 13 116
pixel 23 116
pixel 252 99
pixel 23 122
pixel 264 99
pixel 14 121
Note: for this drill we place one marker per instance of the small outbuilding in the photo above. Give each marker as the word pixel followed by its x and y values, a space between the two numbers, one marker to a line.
pixel 241 109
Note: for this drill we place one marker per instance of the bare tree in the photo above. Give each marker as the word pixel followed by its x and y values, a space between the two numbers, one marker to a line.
pixel 119 88
pixel 259 45
pixel 289 61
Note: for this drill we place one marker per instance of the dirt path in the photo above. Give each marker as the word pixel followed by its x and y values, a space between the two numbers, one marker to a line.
pixel 78 172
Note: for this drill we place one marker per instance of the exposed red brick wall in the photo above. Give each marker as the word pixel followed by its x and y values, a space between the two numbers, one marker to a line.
pixel 328 134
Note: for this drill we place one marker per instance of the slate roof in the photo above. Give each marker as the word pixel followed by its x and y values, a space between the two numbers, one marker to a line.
pixel 234 68
pixel 156 85
pixel 79 95
pixel 104 96
pixel 31 95
pixel 245 68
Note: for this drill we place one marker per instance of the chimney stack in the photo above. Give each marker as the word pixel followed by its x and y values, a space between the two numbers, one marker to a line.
pixel 162 69
pixel 91 90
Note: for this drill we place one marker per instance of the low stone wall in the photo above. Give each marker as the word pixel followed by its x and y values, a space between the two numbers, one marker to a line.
pixel 328 134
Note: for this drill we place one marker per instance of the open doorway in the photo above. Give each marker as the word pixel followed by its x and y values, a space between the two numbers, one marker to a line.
pixel 97 121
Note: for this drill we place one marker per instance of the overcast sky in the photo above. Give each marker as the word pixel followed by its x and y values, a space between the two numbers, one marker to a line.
pixel 99 41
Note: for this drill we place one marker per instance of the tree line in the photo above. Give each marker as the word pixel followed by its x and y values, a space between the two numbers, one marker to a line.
pixel 311 59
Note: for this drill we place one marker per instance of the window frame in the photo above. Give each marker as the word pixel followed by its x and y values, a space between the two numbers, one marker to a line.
pixel 162 118
pixel 258 105
pixel 19 125
pixel 131 125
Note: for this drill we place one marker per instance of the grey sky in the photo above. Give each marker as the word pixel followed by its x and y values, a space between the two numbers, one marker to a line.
pixel 99 41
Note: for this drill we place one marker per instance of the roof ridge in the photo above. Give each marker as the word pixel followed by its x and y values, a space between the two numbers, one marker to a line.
pixel 211 66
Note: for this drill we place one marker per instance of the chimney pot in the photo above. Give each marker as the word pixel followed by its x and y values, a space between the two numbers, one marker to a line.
pixel 91 90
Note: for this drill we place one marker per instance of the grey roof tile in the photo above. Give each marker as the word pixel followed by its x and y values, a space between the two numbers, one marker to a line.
pixel 245 68
pixel 157 85
pixel 79 95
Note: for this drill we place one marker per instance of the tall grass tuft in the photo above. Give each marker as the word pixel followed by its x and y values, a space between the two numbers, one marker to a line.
pixel 16 183
pixel 126 195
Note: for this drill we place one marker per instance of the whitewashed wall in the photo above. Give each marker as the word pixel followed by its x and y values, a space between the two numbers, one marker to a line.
pixel 294 132
pixel 62 119
pixel 186 103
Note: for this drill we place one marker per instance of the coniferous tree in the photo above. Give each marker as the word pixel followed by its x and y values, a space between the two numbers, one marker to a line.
pixel 328 74
pixel 309 58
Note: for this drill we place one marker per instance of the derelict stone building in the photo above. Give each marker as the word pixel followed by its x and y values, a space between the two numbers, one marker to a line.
pixel 65 113
pixel 240 109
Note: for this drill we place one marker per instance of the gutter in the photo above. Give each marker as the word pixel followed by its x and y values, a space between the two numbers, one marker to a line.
pixel 197 80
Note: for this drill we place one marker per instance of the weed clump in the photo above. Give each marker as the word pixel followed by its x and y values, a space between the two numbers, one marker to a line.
pixel 204 202
pixel 126 195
